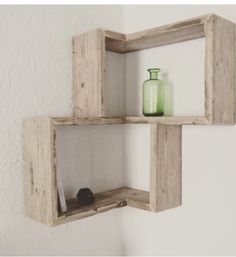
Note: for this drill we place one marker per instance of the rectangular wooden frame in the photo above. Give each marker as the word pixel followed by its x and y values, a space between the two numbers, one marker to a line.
pixel 89 51
pixel 41 193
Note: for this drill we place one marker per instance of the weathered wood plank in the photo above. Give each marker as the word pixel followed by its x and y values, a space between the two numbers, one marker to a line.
pixel 88 74
pixel 61 121
pixel 220 71
pixel 138 199
pixel 165 177
pixel 159 36
pixel 114 35
pixel 114 41
pixel 168 120
pixel 105 201
pixel 40 188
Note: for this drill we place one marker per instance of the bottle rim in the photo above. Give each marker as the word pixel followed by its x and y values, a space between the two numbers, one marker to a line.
pixel 154 69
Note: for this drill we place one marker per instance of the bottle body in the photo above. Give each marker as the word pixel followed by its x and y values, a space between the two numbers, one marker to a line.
pixel 153 95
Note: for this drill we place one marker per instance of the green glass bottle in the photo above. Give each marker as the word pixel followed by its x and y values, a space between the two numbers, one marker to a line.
pixel 153 95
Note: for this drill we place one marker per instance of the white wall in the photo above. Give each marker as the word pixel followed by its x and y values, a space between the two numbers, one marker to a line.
pixel 36 80
pixel 205 223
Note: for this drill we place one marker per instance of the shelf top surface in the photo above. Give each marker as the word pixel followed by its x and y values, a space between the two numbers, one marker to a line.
pixel 165 120
pixel 168 120
pixel 105 201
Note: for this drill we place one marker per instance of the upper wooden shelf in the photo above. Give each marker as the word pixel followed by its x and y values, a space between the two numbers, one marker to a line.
pixel 159 36
pixel 166 120
pixel 89 57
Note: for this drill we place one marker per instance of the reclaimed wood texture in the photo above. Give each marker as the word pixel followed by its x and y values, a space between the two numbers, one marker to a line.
pixel 88 74
pixel 168 120
pixel 114 41
pixel 220 71
pixel 159 36
pixel 137 199
pixel 40 188
pixel 61 121
pixel 104 201
pixel 165 176
pixel 177 120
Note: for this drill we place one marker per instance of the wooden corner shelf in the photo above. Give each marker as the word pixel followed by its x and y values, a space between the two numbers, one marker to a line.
pixel 89 108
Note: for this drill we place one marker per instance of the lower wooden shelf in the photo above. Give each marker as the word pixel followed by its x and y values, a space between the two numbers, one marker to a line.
pixel 41 172
pixel 105 201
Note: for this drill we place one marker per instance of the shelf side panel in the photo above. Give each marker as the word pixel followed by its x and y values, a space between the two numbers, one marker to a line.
pixel 88 74
pixel 40 191
pixel 220 71
pixel 165 177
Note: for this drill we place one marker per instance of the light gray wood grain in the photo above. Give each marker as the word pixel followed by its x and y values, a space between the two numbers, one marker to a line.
pixel 39 174
pixel 88 74
pixel 137 199
pixel 168 120
pixel 165 177
pixel 159 36
pixel 114 41
pixel 105 201
pixel 220 71
pixel 62 121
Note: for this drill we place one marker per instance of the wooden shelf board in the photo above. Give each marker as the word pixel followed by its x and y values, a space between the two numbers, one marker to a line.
pixel 60 121
pixel 105 201
pixel 159 36
pixel 138 199
pixel 168 120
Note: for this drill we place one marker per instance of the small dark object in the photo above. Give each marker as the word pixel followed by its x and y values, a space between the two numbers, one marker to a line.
pixel 85 196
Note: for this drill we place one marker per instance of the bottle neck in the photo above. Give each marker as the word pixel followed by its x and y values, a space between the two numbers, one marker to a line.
pixel 153 75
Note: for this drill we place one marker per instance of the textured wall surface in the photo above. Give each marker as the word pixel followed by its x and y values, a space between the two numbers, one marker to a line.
pixel 36 80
